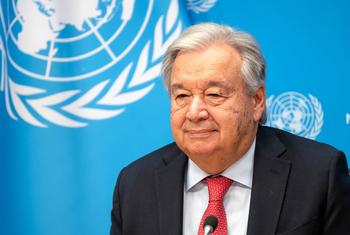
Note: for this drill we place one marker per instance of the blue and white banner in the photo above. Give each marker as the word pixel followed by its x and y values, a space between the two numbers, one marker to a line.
pixel 81 94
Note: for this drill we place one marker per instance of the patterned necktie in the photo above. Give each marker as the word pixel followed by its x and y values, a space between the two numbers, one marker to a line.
pixel 217 187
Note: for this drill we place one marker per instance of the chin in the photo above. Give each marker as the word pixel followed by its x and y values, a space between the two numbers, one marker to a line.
pixel 197 146
pixel 198 150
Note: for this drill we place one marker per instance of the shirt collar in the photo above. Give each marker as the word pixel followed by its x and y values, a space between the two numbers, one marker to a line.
pixel 241 171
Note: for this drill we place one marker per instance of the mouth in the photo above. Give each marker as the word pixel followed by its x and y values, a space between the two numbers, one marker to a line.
pixel 203 133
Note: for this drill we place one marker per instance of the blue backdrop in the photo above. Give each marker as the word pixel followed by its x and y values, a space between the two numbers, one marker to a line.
pixel 81 95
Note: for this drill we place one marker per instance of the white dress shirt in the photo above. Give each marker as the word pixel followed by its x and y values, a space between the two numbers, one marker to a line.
pixel 236 201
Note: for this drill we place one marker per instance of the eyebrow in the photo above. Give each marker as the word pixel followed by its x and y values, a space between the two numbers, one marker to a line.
pixel 176 86
pixel 220 84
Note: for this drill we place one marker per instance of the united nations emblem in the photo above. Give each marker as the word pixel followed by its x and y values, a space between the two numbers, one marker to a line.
pixel 67 62
pixel 296 113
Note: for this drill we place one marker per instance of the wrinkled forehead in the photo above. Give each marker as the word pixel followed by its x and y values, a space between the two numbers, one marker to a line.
pixel 214 59
pixel 217 66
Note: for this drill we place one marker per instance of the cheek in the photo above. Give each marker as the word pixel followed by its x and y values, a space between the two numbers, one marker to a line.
pixel 234 119
pixel 175 109
pixel 177 117
pixel 242 109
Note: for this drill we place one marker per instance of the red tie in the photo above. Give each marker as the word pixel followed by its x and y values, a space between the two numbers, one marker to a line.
pixel 217 187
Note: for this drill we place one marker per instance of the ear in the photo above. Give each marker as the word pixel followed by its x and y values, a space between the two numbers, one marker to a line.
pixel 259 102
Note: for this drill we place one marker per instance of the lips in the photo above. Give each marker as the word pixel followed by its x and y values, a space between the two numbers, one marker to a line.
pixel 201 133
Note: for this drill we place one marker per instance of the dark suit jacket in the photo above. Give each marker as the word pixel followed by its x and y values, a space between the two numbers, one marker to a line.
pixel 300 187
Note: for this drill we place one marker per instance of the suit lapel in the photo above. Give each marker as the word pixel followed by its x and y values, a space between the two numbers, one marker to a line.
pixel 269 183
pixel 170 186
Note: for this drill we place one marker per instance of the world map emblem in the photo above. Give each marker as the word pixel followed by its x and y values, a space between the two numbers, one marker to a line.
pixel 70 62
pixel 296 113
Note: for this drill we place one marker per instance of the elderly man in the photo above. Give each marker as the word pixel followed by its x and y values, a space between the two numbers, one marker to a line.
pixel 225 173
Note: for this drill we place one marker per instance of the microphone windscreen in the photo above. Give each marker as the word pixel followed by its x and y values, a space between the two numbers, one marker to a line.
pixel 212 221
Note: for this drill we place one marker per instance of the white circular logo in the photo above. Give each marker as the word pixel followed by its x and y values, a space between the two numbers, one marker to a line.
pixel 296 113
pixel 70 33
pixel 70 61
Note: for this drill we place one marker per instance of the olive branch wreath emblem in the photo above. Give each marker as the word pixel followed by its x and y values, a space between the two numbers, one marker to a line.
pixel 73 108
pixel 200 6
pixel 319 116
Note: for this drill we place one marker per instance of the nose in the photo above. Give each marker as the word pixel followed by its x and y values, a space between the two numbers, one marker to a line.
pixel 197 110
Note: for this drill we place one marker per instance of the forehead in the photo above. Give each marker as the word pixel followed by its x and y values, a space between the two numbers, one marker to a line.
pixel 214 65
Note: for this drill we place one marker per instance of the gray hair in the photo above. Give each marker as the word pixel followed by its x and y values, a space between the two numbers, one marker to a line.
pixel 201 36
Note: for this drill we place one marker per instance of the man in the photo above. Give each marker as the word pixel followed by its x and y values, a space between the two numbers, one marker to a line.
pixel 260 180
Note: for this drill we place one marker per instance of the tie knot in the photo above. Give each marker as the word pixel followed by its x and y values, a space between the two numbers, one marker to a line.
pixel 217 187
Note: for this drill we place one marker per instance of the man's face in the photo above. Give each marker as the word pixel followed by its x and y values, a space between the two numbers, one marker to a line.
pixel 213 119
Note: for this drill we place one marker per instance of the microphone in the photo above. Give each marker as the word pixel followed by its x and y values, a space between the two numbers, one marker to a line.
pixel 210 224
